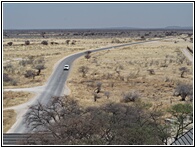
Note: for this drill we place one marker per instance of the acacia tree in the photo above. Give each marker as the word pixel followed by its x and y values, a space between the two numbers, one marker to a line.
pixel 44 42
pixel 183 117
pixel 43 34
pixel 62 121
pixel 83 70
pixel 29 74
pixel 27 42
pixel 130 97
pixel 67 42
pixel 39 67
pixel 98 85
pixel 88 56
pixel 183 70
pixel 107 94
pixel 10 43
pixel 183 90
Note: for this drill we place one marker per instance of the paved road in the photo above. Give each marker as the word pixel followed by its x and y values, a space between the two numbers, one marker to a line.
pixel 56 84
pixel 187 54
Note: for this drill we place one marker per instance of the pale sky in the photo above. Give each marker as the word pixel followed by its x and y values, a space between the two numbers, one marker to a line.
pixel 96 15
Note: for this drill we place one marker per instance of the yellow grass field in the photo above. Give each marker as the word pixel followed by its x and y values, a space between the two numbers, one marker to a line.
pixel 11 98
pixel 125 70
pixel 51 54
pixel 119 70
pixel 9 118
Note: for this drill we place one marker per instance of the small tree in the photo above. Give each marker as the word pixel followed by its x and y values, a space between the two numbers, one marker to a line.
pixel 151 71
pixel 83 70
pixel 107 94
pixel 29 74
pixel 67 42
pixel 130 97
pixel 63 121
pixel 98 89
pixel 10 43
pixel 39 67
pixel 183 70
pixel 191 40
pixel 73 42
pixel 182 114
pixel 27 42
pixel 9 68
pixel 43 34
pixel 183 90
pixel 115 41
pixel 189 49
pixel 44 42
pixel 87 56
pixel 95 97
pixel 6 78
pixel 54 43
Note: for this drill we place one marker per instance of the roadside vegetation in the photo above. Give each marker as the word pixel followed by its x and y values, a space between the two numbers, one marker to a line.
pixel 31 65
pixel 67 123
pixel 151 72
pixel 9 118
pixel 134 95
pixel 154 73
pixel 11 98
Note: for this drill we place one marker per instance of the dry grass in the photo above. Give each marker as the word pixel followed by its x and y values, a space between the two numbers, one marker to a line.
pixel 11 98
pixel 9 118
pixel 50 53
pixel 126 69
pixel 120 70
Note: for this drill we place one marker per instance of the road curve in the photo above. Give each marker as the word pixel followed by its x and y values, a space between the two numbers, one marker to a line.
pixel 187 54
pixel 56 84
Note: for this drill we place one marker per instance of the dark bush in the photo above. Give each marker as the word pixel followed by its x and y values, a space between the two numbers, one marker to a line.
pixel 142 37
pixel 183 90
pixel 151 71
pixel 98 85
pixel 73 42
pixel 44 42
pixel 43 34
pixel 107 94
pixel 27 42
pixel 65 122
pixel 6 78
pixel 10 43
pixel 83 70
pixel 39 67
pixel 67 42
pixel 115 41
pixel 54 43
pixel 183 70
pixel 29 74
pixel 87 56
pixel 130 97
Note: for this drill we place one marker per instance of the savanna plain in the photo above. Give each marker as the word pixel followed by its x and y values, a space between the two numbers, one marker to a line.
pixel 153 74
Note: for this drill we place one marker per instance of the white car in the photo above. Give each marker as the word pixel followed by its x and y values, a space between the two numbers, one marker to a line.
pixel 66 67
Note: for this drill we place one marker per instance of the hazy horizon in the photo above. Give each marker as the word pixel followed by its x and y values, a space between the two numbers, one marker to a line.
pixel 45 15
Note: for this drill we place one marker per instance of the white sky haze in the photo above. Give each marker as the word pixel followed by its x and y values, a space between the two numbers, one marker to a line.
pixel 96 15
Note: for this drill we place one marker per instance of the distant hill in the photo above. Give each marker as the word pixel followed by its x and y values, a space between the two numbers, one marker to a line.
pixel 137 28
pixel 178 27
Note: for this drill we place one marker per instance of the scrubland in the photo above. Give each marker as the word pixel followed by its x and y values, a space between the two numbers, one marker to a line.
pixel 148 71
